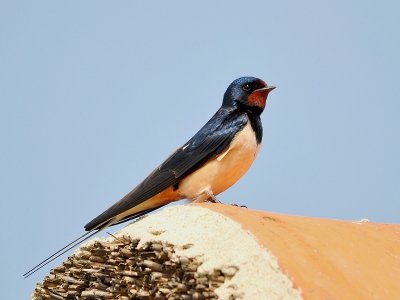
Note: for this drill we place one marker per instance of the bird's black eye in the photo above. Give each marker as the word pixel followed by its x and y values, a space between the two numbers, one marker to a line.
pixel 246 87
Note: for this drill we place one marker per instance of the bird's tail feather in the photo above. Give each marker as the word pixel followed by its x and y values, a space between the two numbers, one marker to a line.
pixel 137 215
pixel 86 236
pixel 68 247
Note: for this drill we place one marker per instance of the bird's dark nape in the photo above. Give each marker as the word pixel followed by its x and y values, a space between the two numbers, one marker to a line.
pixel 234 91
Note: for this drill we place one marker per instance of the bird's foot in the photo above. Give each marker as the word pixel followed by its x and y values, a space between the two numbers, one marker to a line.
pixel 212 199
pixel 244 206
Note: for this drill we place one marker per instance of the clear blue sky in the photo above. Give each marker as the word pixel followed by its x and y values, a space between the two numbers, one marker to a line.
pixel 95 94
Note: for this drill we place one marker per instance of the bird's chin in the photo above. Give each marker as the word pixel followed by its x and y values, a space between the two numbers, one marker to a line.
pixel 259 98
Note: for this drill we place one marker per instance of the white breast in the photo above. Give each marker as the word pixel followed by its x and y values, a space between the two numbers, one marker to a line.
pixel 222 172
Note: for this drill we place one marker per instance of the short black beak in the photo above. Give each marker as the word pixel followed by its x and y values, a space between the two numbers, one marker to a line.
pixel 267 88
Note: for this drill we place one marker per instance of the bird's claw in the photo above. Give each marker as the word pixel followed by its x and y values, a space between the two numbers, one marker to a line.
pixel 243 206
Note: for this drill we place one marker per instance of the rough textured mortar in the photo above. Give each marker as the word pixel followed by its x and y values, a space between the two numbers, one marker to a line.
pixel 185 252
pixel 219 243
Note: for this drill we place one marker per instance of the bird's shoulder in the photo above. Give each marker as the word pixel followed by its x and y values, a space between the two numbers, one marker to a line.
pixel 224 123
pixel 210 141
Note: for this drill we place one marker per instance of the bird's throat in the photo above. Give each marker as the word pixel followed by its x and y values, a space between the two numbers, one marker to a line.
pixel 258 98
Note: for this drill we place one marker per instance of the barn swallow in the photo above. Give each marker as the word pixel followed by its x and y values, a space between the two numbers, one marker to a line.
pixel 217 156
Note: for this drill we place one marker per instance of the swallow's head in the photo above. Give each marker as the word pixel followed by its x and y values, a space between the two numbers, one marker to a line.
pixel 248 92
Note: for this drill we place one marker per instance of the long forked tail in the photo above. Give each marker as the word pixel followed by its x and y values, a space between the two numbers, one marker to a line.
pixel 86 236
pixel 60 252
